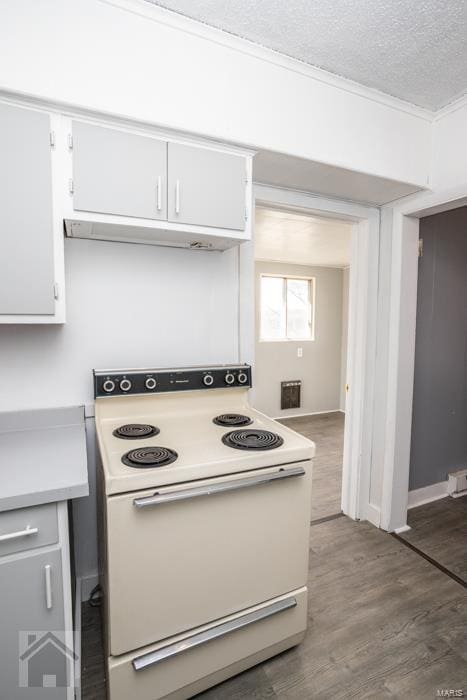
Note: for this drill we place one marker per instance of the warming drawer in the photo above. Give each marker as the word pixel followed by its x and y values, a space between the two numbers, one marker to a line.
pixel 181 667
pixel 193 553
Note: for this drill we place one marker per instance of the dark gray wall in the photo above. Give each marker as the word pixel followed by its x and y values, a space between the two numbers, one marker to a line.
pixel 439 424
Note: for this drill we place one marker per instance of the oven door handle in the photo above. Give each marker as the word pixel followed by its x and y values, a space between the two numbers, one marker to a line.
pixel 220 487
pixel 170 650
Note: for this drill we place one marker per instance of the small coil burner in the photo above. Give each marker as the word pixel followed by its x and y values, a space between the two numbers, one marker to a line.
pixel 135 431
pixel 147 457
pixel 252 440
pixel 232 419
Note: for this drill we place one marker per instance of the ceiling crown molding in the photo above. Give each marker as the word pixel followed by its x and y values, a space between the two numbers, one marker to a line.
pixel 178 21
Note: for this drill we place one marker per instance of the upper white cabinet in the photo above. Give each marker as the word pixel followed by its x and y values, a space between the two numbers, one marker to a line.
pixel 142 187
pixel 206 187
pixel 117 172
pixel 28 281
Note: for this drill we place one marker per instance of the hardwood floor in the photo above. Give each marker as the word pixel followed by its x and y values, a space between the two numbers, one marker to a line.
pixel 439 529
pixel 327 431
pixel 383 623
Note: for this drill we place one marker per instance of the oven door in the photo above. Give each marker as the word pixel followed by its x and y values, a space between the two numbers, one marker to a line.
pixel 189 554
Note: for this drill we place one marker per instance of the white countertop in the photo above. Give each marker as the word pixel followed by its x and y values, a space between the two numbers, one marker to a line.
pixel 42 456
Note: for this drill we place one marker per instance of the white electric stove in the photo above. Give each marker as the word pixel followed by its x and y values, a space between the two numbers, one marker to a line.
pixel 205 510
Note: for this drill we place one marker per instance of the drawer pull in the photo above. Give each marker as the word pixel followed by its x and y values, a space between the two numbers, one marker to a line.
pixel 214 489
pixel 159 193
pixel 154 657
pixel 21 533
pixel 48 586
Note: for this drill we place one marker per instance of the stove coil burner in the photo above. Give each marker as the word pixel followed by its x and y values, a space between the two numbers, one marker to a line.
pixel 147 457
pixel 232 419
pixel 135 431
pixel 252 440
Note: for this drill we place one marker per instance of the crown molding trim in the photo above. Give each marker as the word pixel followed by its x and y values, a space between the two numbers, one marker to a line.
pixel 178 21
pixel 450 108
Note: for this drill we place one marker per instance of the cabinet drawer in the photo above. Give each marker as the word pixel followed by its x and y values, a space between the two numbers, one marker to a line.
pixel 185 665
pixel 28 528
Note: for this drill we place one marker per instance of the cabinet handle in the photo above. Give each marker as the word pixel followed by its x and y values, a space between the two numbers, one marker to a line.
pixel 20 533
pixel 159 193
pixel 220 487
pixel 177 197
pixel 48 586
pixel 154 657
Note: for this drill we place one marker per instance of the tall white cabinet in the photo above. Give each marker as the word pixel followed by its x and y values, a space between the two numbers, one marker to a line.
pixel 29 288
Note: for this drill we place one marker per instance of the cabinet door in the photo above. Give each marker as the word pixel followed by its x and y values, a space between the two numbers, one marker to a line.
pixel 206 187
pixel 115 172
pixel 27 607
pixel 26 234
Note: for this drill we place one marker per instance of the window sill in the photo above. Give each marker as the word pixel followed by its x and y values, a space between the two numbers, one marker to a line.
pixel 286 340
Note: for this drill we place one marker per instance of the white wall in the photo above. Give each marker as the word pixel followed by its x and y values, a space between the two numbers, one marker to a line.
pixel 150 65
pixel 449 166
pixel 320 367
pixel 127 306
pixel 345 332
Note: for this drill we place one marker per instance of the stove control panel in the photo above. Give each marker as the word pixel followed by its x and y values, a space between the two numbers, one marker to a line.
pixel 154 381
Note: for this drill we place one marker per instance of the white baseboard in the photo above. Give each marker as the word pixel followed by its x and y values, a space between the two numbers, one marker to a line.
pixel 305 415
pixel 400 530
pixel 86 584
pixel 426 494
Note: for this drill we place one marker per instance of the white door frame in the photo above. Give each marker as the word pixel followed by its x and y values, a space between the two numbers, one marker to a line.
pixel 401 224
pixel 361 356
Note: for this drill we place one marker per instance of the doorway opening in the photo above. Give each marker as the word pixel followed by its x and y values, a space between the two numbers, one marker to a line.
pixel 437 499
pixel 302 275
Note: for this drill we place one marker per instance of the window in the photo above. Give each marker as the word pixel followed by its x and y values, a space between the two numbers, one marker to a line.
pixel 287 308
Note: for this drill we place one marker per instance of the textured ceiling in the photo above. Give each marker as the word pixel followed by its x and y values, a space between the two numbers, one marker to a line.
pixel 282 236
pixel 416 51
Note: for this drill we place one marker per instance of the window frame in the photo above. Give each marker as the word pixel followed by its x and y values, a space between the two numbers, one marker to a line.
pixel 312 296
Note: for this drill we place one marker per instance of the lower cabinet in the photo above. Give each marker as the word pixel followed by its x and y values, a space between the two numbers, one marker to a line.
pixel 36 652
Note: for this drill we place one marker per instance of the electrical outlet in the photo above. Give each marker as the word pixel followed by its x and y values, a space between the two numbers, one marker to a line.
pixel 299 352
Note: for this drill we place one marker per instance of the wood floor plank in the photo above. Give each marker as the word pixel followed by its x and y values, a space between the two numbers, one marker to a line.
pixel 327 432
pixel 439 529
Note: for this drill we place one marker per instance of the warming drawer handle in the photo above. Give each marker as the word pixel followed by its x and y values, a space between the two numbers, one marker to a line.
pixel 170 650
pixel 213 489
pixel 21 533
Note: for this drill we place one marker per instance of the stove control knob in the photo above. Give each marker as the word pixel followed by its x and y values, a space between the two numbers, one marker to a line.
pixel 125 385
pixel 242 377
pixel 108 386
pixel 150 383
pixel 208 380
pixel 229 378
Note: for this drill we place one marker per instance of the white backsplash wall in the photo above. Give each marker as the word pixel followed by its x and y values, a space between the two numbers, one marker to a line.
pixel 127 306
pixel 320 367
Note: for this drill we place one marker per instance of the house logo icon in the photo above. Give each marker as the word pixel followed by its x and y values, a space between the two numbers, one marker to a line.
pixel 45 661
